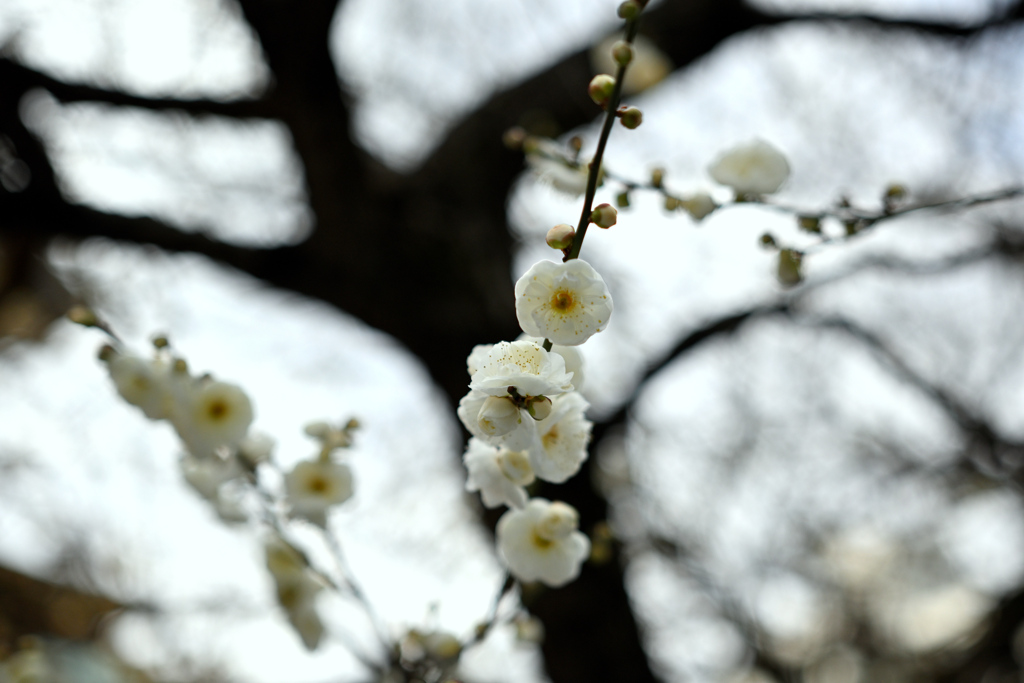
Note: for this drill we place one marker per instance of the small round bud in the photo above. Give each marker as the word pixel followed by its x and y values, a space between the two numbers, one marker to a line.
pixel 657 177
pixel 768 241
pixel 789 270
pixel 539 407
pixel 895 192
pixel 600 89
pixel 161 342
pixel 180 366
pixel 629 10
pixel 671 203
pixel 561 236
pixel 631 118
pixel 107 352
pixel 809 224
pixel 82 315
pixel 622 200
pixel 698 206
pixel 353 423
pixel 604 216
pixel 514 137
pixel 622 53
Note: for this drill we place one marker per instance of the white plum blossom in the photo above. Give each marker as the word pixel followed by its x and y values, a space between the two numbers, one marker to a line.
pixel 211 414
pixel 523 365
pixel 312 487
pixel 566 303
pixel 541 543
pixel 523 434
pixel 752 168
pixel 498 474
pixel 256 448
pixel 562 441
pixel 570 354
pixel 142 383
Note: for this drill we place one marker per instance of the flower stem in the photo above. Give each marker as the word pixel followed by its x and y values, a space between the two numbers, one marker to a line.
pixel 595 164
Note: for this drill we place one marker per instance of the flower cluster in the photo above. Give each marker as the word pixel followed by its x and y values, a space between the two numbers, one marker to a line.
pixel 528 421
pixel 222 464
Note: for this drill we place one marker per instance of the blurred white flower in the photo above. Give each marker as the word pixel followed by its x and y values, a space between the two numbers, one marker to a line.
pixel 143 383
pixel 562 439
pixel 523 365
pixel 297 589
pixel 498 416
pixel 564 302
pixel 548 161
pixel 256 448
pixel 212 414
pixel 541 543
pixel 312 487
pixel 751 168
pixel 699 205
pixel 498 474
pixel 206 475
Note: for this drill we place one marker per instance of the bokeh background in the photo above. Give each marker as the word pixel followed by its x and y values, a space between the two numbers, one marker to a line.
pixel 818 483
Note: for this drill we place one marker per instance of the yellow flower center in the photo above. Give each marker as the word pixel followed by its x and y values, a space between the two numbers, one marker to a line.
pixel 318 484
pixel 562 301
pixel 541 542
pixel 551 438
pixel 217 410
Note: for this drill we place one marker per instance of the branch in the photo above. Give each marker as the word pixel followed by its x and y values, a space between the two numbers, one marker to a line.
pixel 19 79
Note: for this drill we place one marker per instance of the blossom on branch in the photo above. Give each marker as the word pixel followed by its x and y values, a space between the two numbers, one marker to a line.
pixel 541 543
pixel 313 487
pixel 524 365
pixel 211 414
pixel 562 439
pixel 564 302
pixel 752 168
pixel 498 474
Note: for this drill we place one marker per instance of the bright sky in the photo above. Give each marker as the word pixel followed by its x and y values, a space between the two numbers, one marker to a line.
pixel 99 474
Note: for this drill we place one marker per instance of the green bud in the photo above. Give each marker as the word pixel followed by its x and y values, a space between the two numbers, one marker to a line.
pixel 539 407
pixel 629 10
pixel 631 117
pixel 604 216
pixel 809 224
pixel 82 315
pixel 107 352
pixel 514 137
pixel 789 273
pixel 657 177
pixel 767 240
pixel 600 89
pixel 622 200
pixel 561 236
pixel 671 203
pixel 622 53
pixel 895 192
pixel 161 342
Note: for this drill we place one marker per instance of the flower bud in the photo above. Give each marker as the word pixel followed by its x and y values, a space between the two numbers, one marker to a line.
pixel 514 137
pixel 629 10
pixel 604 216
pixel 498 416
pixel 107 352
pixel 698 206
pixel 809 223
pixel 561 236
pixel 671 203
pixel 622 53
pixel 82 315
pixel 789 272
pixel 622 200
pixel 631 117
pixel 657 177
pixel 768 241
pixel 161 342
pixel 515 465
pixel 600 89
pixel 559 520
pixel 539 407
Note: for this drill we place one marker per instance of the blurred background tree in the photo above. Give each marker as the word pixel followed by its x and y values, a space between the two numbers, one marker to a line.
pixel 819 483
